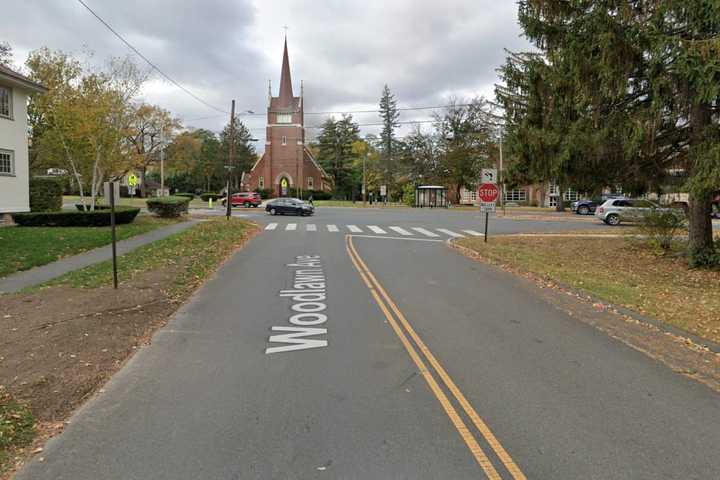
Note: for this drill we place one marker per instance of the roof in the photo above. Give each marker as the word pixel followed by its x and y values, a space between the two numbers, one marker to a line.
pixel 21 80
pixel 286 96
pixel 434 187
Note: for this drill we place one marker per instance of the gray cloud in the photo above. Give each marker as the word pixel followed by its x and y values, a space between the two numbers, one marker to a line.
pixel 345 50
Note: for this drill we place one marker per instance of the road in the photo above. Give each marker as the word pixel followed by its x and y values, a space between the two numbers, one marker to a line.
pixel 317 353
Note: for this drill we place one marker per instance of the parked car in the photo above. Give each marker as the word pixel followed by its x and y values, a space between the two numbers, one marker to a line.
pixel 586 207
pixel 289 206
pixel 617 210
pixel 245 199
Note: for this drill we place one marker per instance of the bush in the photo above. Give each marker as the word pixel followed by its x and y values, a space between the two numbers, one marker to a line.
pixel 408 195
pixel 168 206
pixel 207 196
pixel 80 207
pixel 98 218
pixel 661 226
pixel 705 258
pixel 265 193
pixel 46 194
pixel 190 196
pixel 316 194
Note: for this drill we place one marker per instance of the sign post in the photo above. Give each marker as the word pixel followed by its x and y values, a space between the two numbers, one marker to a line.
pixel 132 182
pixel 487 195
pixel 383 193
pixel 112 194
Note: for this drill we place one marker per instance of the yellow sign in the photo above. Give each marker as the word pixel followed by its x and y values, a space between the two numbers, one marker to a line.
pixel 132 180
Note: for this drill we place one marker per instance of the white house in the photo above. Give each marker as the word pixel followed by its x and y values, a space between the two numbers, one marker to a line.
pixel 14 170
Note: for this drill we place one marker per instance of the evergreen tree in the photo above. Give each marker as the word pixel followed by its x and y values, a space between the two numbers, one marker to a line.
pixel 245 154
pixel 389 115
pixel 336 152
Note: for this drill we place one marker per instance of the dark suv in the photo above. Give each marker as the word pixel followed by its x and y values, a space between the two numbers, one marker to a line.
pixel 245 199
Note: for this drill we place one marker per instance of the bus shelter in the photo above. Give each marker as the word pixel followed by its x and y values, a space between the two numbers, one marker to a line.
pixel 431 196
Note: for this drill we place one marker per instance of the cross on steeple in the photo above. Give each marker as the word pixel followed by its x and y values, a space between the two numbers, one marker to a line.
pixel 285 27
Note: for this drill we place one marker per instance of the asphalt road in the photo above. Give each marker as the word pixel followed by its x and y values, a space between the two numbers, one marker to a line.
pixel 415 363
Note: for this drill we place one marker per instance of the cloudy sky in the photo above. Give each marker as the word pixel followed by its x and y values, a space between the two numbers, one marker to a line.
pixel 345 50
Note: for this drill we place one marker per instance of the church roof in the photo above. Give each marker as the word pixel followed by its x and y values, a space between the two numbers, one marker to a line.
pixel 285 101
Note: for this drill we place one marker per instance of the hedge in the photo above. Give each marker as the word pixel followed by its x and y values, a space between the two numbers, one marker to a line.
pixel 46 194
pixel 207 196
pixel 81 208
pixel 316 194
pixel 191 196
pixel 69 218
pixel 168 206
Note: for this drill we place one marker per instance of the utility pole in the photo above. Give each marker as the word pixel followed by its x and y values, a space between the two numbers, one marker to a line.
pixel 231 157
pixel 502 177
pixel 364 186
pixel 162 161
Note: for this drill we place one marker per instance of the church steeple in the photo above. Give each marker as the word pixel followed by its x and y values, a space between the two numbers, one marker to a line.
pixel 285 99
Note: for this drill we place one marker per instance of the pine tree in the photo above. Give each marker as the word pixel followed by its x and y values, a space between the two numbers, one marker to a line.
pixel 336 155
pixel 389 115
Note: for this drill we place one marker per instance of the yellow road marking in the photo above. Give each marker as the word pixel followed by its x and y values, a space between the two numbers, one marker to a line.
pixel 470 441
pixel 494 443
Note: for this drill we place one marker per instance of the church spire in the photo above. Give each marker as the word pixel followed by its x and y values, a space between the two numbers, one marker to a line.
pixel 286 92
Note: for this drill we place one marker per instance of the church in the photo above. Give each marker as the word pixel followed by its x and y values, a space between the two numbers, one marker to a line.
pixel 287 167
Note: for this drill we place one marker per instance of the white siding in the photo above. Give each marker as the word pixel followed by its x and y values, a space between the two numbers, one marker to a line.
pixel 14 195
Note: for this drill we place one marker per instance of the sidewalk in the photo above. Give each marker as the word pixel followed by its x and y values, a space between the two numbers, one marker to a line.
pixel 34 276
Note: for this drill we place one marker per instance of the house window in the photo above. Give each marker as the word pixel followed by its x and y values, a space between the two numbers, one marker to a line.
pixel 284 140
pixel 516 196
pixel 571 195
pixel 284 118
pixel 7 162
pixel 553 190
pixel 261 182
pixel 310 184
pixel 5 102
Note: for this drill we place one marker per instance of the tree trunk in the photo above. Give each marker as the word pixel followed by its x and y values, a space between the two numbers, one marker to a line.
pixel 560 206
pixel 700 239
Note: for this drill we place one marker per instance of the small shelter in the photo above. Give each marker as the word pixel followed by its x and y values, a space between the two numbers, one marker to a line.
pixel 431 196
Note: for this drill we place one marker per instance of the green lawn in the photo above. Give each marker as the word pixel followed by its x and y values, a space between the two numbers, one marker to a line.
pixel 22 248
pixel 195 252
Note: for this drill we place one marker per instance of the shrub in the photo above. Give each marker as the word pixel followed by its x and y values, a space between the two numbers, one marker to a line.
pixel 316 194
pixel 168 206
pixel 80 207
pixel 207 196
pixel 265 193
pixel 709 258
pixel 98 218
pixel 191 196
pixel 46 194
pixel 408 194
pixel 661 226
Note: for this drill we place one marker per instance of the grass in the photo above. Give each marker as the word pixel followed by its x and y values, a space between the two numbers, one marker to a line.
pixel 133 202
pixel 194 253
pixel 17 428
pixel 620 271
pixel 22 248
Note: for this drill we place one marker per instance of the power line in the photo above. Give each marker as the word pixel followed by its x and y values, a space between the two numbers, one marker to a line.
pixel 155 67
pixel 409 122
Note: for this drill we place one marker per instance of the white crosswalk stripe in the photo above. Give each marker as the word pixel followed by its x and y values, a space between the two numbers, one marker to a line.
pixel 354 229
pixel 310 227
pixel 401 231
pixel 450 233
pixel 332 228
pixel 377 229
pixel 271 226
pixel 425 232
pixel 291 226
pixel 474 233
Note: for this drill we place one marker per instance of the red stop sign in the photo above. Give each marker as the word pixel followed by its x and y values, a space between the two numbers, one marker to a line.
pixel 488 192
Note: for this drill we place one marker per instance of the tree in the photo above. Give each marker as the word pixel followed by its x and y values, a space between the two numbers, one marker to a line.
pixel 422 157
pixel 245 154
pixel 336 152
pixel 6 54
pixel 81 123
pixel 646 76
pixel 149 130
pixel 389 115
pixel 464 140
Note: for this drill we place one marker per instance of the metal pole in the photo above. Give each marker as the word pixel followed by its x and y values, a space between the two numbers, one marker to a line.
pixel 114 237
pixel 162 162
pixel 231 157
pixel 364 188
pixel 502 176
pixel 487 215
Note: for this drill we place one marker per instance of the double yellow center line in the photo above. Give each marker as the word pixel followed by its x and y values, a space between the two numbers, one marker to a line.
pixel 403 329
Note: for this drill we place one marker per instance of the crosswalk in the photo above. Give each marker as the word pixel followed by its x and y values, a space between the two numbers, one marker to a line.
pixel 390 230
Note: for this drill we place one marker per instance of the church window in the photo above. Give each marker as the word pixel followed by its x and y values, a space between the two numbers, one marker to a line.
pixel 284 140
pixel 310 182
pixel 284 118
pixel 261 182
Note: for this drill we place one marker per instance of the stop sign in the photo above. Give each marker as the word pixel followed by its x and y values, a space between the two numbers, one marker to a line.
pixel 488 192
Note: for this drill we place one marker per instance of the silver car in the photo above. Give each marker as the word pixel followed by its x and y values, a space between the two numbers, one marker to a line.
pixel 616 210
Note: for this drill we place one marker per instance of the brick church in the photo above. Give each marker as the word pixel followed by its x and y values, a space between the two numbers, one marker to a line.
pixel 287 166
